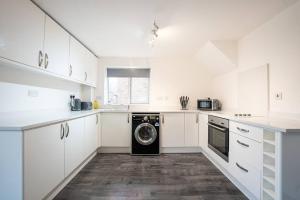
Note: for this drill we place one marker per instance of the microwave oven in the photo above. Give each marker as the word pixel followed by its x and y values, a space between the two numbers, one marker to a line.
pixel 208 104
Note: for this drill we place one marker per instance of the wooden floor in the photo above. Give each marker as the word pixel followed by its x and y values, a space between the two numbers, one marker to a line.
pixel 168 176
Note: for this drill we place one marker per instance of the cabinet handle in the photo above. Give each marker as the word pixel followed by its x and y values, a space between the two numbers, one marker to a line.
pixel 67 129
pixel 85 76
pixel 128 118
pixel 242 168
pixel 40 58
pixel 71 70
pixel 197 118
pixel 163 119
pixel 97 119
pixel 242 130
pixel 62 131
pixel 243 144
pixel 46 61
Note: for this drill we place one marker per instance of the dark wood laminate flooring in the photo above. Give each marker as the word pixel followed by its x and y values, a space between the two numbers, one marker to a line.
pixel 168 176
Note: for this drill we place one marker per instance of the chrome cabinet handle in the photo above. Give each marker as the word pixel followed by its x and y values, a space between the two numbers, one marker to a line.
pixel 40 58
pixel 70 70
pixel 128 118
pixel 220 129
pixel 97 119
pixel 85 76
pixel 242 168
pixel 197 118
pixel 242 130
pixel 163 119
pixel 67 129
pixel 62 131
pixel 243 144
pixel 46 61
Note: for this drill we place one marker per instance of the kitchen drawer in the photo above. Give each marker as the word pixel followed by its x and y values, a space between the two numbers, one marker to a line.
pixel 246 174
pixel 247 131
pixel 247 150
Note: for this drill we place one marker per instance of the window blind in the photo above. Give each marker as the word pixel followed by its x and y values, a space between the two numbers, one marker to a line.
pixel 128 72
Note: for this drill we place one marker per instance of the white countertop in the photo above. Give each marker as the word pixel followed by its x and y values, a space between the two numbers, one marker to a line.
pixel 19 121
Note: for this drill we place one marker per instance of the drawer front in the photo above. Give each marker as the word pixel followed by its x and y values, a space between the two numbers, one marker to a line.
pixel 248 150
pixel 246 174
pixel 247 131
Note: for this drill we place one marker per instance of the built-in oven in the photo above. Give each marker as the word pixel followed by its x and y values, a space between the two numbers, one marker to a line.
pixel 218 136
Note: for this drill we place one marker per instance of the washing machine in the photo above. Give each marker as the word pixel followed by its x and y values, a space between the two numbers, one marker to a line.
pixel 145 134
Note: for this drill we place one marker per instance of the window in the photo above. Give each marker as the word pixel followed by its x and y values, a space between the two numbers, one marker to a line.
pixel 127 86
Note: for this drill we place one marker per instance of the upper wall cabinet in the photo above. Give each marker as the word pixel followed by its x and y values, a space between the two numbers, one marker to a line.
pixel 29 37
pixel 56 48
pixel 21 32
pixel 82 63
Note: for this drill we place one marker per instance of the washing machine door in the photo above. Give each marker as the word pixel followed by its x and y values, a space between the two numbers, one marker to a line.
pixel 145 134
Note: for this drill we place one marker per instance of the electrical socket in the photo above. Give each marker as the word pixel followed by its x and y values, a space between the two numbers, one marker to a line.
pixel 278 96
pixel 33 93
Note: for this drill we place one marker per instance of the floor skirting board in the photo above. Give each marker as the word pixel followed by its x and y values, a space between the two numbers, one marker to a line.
pixel 162 150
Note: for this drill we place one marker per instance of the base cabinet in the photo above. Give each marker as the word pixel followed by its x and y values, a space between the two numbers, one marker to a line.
pixel 90 134
pixel 74 136
pixel 203 131
pixel 115 130
pixel 191 129
pixel 172 130
pixel 43 160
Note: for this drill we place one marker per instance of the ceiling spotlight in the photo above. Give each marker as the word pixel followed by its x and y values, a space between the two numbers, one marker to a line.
pixel 154 33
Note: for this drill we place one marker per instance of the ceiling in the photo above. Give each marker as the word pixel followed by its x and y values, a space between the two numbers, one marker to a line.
pixel 121 28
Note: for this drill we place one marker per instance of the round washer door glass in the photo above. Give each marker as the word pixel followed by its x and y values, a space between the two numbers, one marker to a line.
pixel 145 134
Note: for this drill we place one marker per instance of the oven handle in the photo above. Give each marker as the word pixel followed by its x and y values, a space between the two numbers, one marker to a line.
pixel 216 127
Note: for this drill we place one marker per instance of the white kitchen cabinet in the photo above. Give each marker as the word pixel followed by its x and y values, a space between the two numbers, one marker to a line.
pixel 115 130
pixel 172 130
pixel 74 147
pixel 92 69
pixel 43 160
pixel 99 130
pixel 191 129
pixel 21 32
pixel 90 134
pixel 56 48
pixel 77 60
pixel 203 131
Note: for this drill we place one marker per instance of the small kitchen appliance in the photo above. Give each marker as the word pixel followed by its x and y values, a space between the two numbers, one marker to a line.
pixel 75 104
pixel 86 105
pixel 208 104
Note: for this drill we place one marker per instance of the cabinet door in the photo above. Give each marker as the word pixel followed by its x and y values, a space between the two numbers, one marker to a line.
pixel 21 32
pixel 115 130
pixel 74 154
pixel 43 161
pixel 203 131
pixel 172 134
pixel 56 48
pixel 78 61
pixel 99 130
pixel 92 70
pixel 191 130
pixel 90 134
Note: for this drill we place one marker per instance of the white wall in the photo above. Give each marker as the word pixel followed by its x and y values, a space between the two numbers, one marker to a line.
pixel 52 93
pixel 276 42
pixel 170 78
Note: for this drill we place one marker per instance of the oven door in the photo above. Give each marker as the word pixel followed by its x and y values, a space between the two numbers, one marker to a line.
pixel 218 140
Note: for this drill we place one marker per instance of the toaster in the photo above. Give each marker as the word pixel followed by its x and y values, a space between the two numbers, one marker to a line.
pixel 86 105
